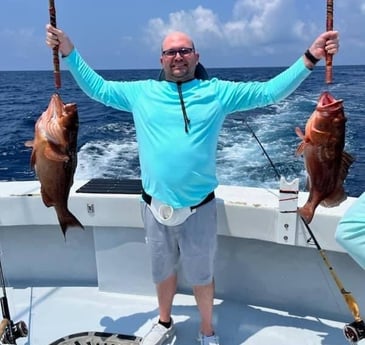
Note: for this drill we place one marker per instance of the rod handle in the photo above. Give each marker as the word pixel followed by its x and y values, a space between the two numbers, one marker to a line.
pixel 56 58
pixel 329 57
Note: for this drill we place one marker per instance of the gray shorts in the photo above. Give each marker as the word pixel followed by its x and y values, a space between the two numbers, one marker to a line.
pixel 192 245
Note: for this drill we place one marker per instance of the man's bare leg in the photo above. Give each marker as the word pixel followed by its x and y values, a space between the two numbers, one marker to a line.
pixel 204 295
pixel 165 294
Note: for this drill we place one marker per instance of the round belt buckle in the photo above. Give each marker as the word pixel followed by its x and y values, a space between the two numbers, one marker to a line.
pixel 165 212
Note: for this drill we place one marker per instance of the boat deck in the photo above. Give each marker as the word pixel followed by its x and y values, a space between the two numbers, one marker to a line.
pixel 54 312
pixel 272 286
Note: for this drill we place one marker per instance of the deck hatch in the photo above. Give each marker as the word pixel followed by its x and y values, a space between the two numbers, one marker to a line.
pixel 112 186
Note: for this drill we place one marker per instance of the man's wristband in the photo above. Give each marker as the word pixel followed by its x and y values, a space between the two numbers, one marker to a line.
pixel 311 57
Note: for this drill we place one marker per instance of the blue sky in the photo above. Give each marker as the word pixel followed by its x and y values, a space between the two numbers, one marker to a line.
pixel 121 34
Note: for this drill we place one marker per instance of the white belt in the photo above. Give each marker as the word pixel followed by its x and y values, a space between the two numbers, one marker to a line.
pixel 167 215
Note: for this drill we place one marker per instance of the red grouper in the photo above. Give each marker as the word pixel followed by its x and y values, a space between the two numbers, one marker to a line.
pixel 325 160
pixel 54 157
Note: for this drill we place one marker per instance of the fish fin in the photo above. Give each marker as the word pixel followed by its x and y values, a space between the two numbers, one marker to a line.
pixel 47 200
pixel 346 161
pixel 300 148
pixel 68 220
pixel 339 195
pixel 306 213
pixel 53 155
pixel 299 133
pixel 29 143
pixel 33 159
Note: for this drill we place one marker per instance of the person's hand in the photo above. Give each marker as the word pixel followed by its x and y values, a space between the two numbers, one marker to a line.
pixel 56 37
pixel 326 43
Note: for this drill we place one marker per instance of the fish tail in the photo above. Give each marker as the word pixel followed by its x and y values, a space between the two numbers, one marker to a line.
pixel 68 220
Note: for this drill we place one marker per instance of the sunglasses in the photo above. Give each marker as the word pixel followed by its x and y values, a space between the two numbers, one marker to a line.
pixel 181 51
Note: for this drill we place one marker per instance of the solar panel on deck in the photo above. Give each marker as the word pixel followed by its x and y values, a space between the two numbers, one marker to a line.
pixel 112 186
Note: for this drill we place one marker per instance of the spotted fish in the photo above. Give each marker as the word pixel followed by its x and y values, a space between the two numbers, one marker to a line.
pixel 326 162
pixel 54 157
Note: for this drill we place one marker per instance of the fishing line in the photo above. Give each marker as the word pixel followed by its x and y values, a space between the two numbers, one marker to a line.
pixel 354 331
pixel 263 150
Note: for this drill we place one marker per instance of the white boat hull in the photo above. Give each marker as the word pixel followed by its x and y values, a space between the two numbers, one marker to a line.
pixel 271 287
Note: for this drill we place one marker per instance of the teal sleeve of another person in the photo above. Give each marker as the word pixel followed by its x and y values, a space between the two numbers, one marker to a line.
pixel 350 232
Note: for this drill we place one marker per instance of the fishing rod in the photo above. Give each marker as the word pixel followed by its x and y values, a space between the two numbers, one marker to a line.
pixel 354 331
pixel 56 58
pixel 11 331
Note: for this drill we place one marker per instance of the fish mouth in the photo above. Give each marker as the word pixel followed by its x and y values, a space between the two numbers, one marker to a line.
pixel 59 108
pixel 325 99
pixel 328 103
pixel 56 120
pixel 56 102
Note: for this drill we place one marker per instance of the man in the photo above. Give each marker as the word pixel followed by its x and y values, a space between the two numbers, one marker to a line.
pixel 177 124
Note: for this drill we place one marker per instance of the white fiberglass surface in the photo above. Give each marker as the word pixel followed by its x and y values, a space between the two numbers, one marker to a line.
pixel 52 313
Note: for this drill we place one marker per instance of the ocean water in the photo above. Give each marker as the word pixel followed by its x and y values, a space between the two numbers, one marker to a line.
pixel 107 144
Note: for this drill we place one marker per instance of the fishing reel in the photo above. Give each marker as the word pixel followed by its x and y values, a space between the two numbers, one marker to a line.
pixel 14 331
pixel 355 331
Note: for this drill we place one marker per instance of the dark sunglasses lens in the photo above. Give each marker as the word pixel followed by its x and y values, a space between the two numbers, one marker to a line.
pixel 185 51
pixel 182 51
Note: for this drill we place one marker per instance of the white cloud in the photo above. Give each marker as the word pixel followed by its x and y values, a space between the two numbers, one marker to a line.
pixel 200 23
pixel 260 17
pixel 253 22
pixel 349 19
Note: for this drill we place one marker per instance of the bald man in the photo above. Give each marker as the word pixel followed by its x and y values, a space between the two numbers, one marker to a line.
pixel 177 122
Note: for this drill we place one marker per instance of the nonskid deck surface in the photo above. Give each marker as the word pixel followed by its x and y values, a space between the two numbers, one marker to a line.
pixel 54 312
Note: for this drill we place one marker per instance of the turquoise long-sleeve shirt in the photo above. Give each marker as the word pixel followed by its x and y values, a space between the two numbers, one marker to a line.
pixel 179 167
pixel 350 232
